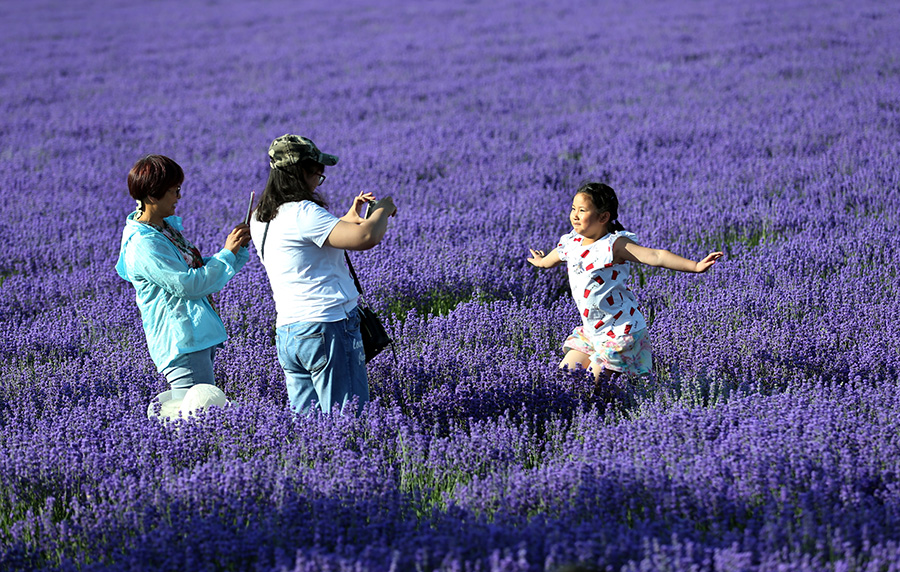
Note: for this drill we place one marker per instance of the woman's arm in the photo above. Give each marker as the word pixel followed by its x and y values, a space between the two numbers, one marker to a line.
pixel 237 242
pixel 539 259
pixel 365 234
pixel 626 249
pixel 156 260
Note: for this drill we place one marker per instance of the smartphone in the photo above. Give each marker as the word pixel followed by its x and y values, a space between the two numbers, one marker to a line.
pixel 366 210
pixel 249 208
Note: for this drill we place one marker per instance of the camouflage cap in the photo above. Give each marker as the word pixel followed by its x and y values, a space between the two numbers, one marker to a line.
pixel 292 149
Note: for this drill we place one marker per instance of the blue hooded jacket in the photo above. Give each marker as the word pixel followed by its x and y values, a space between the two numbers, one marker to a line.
pixel 172 297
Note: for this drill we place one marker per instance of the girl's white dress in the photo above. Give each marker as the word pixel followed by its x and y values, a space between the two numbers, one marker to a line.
pixel 613 329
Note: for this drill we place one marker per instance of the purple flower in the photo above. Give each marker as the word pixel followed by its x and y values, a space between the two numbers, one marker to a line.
pixel 765 438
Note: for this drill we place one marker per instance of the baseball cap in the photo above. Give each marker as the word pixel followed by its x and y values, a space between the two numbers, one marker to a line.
pixel 292 149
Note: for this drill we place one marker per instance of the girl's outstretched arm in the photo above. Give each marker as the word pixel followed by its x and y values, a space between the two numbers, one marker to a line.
pixel 627 249
pixel 539 259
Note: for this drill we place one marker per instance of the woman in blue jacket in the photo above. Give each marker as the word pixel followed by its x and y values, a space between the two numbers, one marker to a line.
pixel 173 282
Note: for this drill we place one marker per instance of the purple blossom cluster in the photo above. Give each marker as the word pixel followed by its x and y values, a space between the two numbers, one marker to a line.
pixel 766 438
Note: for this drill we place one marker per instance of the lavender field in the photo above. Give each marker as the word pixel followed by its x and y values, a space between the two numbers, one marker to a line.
pixel 768 437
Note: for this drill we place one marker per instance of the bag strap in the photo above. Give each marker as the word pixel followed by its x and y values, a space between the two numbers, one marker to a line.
pixel 353 273
pixel 359 288
pixel 262 247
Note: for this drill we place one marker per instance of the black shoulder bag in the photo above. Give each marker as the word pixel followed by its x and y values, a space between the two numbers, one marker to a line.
pixel 375 337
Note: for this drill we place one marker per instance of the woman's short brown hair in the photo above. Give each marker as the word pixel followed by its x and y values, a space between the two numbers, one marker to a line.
pixel 153 176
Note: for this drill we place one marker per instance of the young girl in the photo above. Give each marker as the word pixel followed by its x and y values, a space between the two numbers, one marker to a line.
pixel 598 252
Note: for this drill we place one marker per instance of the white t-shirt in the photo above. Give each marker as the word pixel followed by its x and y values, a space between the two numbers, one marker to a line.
pixel 599 287
pixel 310 280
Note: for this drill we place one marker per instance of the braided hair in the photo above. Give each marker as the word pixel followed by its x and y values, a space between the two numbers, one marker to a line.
pixel 605 201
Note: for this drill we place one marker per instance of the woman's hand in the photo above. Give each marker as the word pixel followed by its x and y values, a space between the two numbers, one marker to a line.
pixel 359 236
pixel 386 203
pixel 354 215
pixel 238 237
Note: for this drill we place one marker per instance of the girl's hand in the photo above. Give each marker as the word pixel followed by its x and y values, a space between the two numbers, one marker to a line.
pixel 542 260
pixel 354 215
pixel 710 259
pixel 536 257
pixel 238 237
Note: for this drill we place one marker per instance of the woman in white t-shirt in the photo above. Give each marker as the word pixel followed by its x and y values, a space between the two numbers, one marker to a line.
pixel 598 253
pixel 302 246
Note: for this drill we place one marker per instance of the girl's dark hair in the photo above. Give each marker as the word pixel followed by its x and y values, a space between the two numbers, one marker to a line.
pixel 153 176
pixel 605 201
pixel 287 185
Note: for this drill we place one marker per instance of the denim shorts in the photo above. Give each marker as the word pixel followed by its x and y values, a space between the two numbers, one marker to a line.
pixel 324 363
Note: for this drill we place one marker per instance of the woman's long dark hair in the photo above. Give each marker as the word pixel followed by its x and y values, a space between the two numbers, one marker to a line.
pixel 286 185
pixel 605 201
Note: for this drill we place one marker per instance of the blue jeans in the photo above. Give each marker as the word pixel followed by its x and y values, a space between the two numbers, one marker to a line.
pixel 187 370
pixel 324 363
